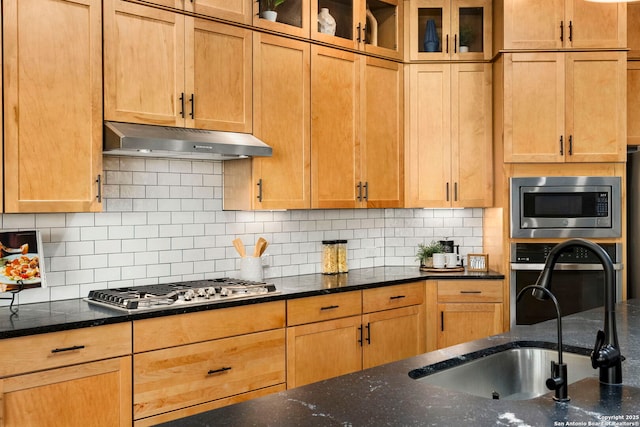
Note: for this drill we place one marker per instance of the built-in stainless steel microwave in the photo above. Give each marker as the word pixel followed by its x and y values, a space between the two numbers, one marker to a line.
pixel 566 206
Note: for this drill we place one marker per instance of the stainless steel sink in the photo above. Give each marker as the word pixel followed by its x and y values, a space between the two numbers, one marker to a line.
pixel 512 373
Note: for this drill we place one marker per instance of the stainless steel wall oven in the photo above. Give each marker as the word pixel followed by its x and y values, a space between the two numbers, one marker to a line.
pixel 578 280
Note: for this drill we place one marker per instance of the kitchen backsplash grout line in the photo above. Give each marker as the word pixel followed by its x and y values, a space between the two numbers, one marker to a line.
pixel 163 221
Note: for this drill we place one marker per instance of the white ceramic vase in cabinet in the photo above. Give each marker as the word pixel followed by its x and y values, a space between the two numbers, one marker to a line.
pixel 326 22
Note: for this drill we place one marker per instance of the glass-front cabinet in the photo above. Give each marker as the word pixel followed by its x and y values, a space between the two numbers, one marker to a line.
pixel 285 16
pixel 373 26
pixel 450 29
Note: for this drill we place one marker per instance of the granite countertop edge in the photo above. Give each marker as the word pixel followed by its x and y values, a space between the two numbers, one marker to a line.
pixel 62 315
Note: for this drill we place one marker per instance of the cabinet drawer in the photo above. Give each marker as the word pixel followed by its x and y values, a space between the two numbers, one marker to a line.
pixel 392 297
pixel 174 378
pixel 470 291
pixel 323 307
pixel 46 351
pixel 163 332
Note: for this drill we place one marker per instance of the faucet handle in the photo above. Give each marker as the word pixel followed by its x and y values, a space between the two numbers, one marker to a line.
pixel 558 381
pixel 597 348
pixel 604 356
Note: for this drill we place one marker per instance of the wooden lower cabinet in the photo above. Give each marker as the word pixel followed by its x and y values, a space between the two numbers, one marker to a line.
pixel 70 378
pixel 181 377
pixel 96 393
pixel 388 326
pixel 467 310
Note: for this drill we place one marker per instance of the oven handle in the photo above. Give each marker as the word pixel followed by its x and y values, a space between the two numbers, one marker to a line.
pixel 562 266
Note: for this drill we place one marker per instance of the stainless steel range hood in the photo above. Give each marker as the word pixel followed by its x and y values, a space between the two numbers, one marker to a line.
pixel 129 139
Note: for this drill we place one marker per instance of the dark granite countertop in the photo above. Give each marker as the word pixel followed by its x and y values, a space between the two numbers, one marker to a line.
pixel 62 315
pixel 386 396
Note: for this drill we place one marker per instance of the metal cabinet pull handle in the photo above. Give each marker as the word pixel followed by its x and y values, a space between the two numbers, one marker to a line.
pixel 561 146
pixel 259 184
pixel 366 191
pixel 217 371
pixel 192 99
pixel 368 333
pixel 360 340
pixel 442 321
pixel 359 27
pixel 72 348
pixel 455 43
pixel 561 31
pixel 455 191
pixel 99 182
pixel 470 292
pixel 359 191
pixel 447 51
pixel 397 297
pixel 182 105
pixel 329 307
pixel 447 189
pixel 570 145
pixel 570 31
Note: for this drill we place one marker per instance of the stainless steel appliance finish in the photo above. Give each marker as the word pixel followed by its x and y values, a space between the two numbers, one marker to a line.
pixel 130 139
pixel 566 206
pixel 513 374
pixel 578 280
pixel 174 295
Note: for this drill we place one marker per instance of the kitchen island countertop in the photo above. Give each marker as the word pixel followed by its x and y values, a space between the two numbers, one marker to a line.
pixel 38 318
pixel 387 396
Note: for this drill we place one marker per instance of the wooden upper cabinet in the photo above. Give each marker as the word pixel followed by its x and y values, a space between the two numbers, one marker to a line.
pixel 356 131
pixel 166 68
pixel 633 102
pixel 368 25
pixel 462 27
pixel 555 24
pixel 231 10
pixel 382 172
pixel 281 80
pixel 292 17
pixel 335 129
pixel 52 70
pixel 633 31
pixel 448 150
pixel 565 107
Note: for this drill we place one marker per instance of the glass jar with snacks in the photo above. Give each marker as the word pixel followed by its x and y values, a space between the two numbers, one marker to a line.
pixel 329 257
pixel 341 246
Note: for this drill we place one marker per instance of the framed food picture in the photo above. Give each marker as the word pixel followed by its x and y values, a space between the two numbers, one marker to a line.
pixel 21 260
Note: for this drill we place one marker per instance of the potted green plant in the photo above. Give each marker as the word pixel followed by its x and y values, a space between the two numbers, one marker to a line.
pixel 466 38
pixel 269 9
pixel 425 253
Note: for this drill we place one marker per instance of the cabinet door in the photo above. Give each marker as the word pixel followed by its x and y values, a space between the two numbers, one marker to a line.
pixel 292 17
pixel 78 395
pixel 428 154
pixel 633 103
pixel 144 64
pixel 348 31
pixel 633 31
pixel 382 155
pixel 335 134
pixel 218 81
pixel 460 323
pixel 596 25
pixel 232 10
pixel 534 25
pixel 322 350
pixel 52 105
pixel 596 106
pixel 420 13
pixel 282 120
pixel 382 27
pixel 534 108
pixel 393 335
pixel 471 135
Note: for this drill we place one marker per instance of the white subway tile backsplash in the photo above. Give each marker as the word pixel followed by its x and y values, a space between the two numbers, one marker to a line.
pixel 162 221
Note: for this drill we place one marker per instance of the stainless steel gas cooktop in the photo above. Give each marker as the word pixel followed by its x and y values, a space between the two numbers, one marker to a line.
pixel 163 296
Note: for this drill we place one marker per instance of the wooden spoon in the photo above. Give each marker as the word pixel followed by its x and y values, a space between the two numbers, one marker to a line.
pixel 237 243
pixel 261 246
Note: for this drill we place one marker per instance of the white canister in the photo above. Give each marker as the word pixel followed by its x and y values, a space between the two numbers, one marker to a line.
pixel 439 260
pixel 251 268
pixel 326 22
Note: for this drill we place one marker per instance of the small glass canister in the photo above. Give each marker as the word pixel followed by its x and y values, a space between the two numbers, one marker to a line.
pixel 329 257
pixel 341 246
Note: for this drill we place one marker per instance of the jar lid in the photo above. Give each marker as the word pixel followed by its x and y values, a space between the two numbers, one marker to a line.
pixel 341 241
pixel 329 242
